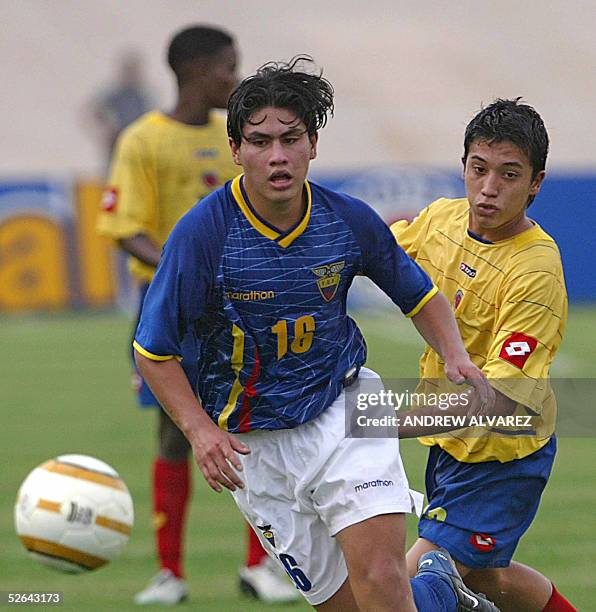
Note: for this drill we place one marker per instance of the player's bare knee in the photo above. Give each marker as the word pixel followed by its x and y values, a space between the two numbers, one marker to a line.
pixel 380 573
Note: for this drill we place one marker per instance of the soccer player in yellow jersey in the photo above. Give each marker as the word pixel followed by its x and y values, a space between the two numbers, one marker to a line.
pixel 163 164
pixel 503 275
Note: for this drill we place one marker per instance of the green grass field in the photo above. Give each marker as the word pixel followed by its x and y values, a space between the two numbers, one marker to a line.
pixel 64 385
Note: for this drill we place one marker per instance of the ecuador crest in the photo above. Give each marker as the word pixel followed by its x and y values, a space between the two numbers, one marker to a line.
pixel 267 533
pixel 329 278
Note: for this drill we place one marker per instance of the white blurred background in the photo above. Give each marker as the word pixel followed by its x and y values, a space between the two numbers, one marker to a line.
pixel 408 75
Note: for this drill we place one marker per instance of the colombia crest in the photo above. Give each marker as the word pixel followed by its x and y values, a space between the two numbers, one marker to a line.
pixel 329 278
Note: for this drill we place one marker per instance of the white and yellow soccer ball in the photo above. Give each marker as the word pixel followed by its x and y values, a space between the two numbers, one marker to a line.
pixel 74 513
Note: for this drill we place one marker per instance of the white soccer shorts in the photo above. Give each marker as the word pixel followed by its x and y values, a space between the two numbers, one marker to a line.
pixel 304 485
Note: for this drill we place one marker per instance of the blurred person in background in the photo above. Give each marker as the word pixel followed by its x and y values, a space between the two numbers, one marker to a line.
pixel 163 163
pixel 504 277
pixel 123 102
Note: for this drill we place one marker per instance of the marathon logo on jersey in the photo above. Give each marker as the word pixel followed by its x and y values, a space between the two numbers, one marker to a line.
pixel 372 484
pixel 466 269
pixel 483 542
pixel 267 534
pixel 109 199
pixel 329 278
pixel 249 296
pixel 459 294
pixel 517 348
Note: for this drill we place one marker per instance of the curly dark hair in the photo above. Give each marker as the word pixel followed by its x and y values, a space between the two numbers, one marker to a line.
pixel 282 85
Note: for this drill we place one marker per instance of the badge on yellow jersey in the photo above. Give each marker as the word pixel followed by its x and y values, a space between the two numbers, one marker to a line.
pixel 517 348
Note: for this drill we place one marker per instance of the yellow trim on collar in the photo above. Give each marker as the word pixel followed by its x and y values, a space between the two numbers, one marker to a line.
pixel 245 208
pixel 287 240
pixel 265 230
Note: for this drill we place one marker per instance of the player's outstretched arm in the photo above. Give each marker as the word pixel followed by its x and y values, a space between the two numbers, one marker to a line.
pixel 437 326
pixel 214 450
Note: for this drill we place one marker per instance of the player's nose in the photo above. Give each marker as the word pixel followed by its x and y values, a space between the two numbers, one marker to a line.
pixel 277 152
pixel 490 184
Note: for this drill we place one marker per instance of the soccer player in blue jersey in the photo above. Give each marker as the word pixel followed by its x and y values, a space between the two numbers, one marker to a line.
pixel 259 273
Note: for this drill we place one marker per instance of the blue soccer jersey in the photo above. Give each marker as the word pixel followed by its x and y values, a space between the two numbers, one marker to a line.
pixel 269 308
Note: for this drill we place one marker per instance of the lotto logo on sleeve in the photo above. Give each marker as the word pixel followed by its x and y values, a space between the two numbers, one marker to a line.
pixel 109 199
pixel 517 348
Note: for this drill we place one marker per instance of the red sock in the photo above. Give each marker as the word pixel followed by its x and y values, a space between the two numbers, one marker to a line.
pixel 255 553
pixel 557 603
pixel 171 490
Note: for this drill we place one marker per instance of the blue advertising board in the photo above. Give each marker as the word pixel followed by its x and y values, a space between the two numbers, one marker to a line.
pixel 565 208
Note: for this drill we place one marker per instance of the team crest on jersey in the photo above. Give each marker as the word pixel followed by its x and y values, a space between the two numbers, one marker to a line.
pixel 210 179
pixel 329 278
pixel 267 533
pixel 109 199
pixel 517 348
pixel 459 294
pixel 482 542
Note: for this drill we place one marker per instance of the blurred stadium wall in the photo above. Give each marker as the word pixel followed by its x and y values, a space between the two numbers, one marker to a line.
pixel 408 77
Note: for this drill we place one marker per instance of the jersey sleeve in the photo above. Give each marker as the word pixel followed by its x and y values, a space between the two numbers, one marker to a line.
pixel 181 288
pixel 532 311
pixel 129 203
pixel 386 263
pixel 411 234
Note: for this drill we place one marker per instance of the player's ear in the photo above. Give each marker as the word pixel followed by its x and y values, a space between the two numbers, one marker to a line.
pixel 235 151
pixel 314 139
pixel 537 182
pixel 463 170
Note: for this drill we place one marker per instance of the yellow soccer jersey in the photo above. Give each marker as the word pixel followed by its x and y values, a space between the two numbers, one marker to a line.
pixel 161 167
pixel 510 303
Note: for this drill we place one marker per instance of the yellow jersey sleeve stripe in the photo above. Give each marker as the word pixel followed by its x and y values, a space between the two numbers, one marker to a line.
pixel 237 363
pixel 245 208
pixel 287 240
pixel 422 302
pixel 151 356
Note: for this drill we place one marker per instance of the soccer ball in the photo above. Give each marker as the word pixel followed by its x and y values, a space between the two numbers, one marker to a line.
pixel 74 513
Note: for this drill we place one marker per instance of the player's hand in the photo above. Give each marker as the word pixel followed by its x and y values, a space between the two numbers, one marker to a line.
pixel 461 370
pixel 215 452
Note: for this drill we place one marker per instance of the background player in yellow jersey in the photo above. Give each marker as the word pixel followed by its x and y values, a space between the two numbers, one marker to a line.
pixel 504 277
pixel 163 164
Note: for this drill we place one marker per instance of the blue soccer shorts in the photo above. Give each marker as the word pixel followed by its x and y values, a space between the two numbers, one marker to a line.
pixel 145 397
pixel 479 511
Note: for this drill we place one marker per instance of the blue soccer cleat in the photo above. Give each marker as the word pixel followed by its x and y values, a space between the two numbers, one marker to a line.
pixel 440 562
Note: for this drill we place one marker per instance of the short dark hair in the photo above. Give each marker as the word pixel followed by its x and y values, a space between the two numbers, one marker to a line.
pixel 281 85
pixel 194 42
pixel 513 121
